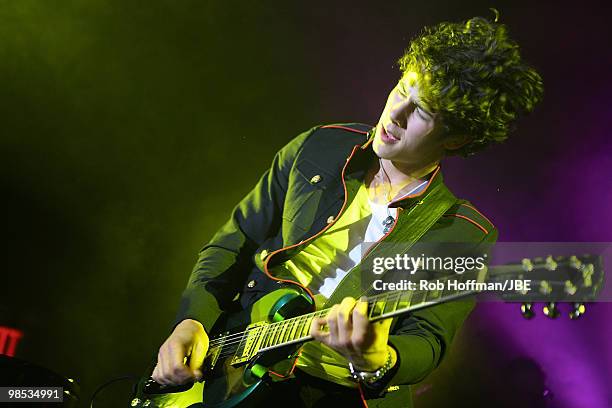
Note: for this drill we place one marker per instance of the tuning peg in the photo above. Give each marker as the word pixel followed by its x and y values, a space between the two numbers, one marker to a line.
pixel 575 262
pixel 551 310
pixel 570 288
pixel 545 288
pixel 527 310
pixel 551 265
pixel 527 265
pixel 587 275
pixel 577 311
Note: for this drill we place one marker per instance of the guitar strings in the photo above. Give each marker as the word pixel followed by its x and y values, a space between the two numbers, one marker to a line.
pixel 274 327
pixel 235 339
pixel 227 351
pixel 268 327
pixel 304 317
pixel 372 298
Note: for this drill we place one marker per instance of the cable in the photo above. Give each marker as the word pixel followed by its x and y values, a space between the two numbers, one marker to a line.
pixel 109 382
pixel 363 399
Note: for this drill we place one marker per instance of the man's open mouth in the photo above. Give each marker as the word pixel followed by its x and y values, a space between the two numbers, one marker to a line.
pixel 388 137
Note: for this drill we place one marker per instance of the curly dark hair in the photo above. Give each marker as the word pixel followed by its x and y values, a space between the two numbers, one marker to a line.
pixel 472 74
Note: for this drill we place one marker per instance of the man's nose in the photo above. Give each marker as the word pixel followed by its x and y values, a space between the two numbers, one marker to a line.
pixel 398 114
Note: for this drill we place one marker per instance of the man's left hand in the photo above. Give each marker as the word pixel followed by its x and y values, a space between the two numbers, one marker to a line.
pixel 347 329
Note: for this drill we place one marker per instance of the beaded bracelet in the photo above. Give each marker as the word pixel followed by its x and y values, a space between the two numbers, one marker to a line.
pixel 368 377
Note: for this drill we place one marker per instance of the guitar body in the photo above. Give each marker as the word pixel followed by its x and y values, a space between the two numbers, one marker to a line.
pixel 228 381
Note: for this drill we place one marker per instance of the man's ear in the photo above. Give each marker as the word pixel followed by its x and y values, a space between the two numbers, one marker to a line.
pixel 454 142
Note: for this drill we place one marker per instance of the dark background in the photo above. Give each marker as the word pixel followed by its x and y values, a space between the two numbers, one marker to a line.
pixel 130 129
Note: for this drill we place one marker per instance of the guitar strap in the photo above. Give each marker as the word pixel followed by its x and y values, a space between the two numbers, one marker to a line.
pixel 408 230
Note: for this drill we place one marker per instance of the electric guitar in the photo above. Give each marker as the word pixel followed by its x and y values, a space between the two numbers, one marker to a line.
pixel 252 349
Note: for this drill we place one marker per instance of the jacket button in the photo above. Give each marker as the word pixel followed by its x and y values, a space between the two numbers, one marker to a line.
pixel 263 254
pixel 330 219
pixel 251 284
pixel 315 179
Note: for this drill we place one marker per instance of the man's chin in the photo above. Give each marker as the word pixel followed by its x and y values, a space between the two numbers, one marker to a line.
pixel 382 150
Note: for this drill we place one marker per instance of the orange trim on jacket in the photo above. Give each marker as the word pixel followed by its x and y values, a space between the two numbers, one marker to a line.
pixel 468 219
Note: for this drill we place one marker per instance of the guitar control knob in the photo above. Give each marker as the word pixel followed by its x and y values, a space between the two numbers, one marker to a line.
pixel 551 310
pixel 577 311
pixel 527 310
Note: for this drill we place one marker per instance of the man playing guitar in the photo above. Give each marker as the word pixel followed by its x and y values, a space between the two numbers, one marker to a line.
pixel 336 188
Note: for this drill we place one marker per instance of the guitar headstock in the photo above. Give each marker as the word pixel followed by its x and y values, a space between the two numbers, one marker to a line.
pixel 573 279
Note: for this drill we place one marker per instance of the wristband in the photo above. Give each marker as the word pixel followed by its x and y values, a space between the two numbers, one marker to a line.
pixel 368 377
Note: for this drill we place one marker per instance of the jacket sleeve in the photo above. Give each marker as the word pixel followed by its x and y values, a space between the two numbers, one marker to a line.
pixel 424 337
pixel 224 262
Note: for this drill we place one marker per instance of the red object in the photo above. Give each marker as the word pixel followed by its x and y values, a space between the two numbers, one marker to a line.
pixel 8 340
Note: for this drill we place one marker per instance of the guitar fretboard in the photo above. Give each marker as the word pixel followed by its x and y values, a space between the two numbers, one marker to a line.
pixel 380 306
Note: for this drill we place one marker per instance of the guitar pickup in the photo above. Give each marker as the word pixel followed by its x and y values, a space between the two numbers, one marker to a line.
pixel 250 343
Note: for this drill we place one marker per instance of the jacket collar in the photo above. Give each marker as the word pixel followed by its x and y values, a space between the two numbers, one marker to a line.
pixel 363 156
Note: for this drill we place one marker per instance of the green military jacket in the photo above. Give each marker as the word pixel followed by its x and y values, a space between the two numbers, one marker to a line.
pixel 303 192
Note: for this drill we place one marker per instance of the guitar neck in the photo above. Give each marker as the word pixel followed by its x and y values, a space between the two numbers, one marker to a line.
pixel 381 306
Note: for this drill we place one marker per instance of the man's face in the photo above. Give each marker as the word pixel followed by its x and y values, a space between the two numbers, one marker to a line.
pixel 407 133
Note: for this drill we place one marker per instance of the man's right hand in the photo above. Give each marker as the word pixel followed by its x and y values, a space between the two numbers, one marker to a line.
pixel 181 356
